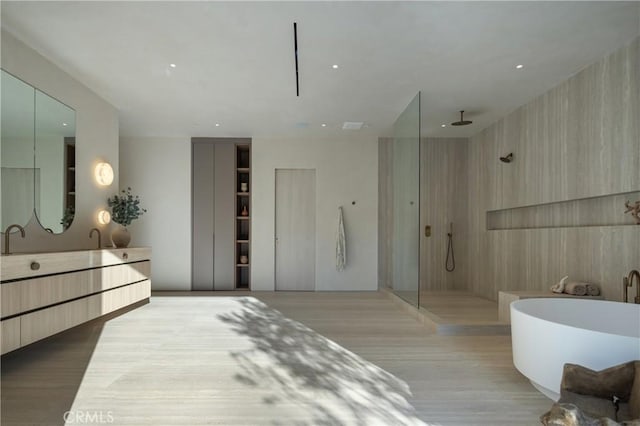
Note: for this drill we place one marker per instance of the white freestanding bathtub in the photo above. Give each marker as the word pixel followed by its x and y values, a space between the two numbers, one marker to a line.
pixel 547 333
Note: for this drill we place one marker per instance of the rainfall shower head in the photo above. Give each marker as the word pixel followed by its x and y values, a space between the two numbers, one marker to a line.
pixel 462 121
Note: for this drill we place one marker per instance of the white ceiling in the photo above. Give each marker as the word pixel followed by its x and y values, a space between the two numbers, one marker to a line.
pixel 235 63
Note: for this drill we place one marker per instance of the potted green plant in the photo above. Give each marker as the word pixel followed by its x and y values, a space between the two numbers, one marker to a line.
pixel 67 218
pixel 125 208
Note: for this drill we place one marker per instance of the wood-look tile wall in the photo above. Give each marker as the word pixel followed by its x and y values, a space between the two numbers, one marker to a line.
pixel 596 211
pixel 580 139
pixel 443 200
pixel 385 210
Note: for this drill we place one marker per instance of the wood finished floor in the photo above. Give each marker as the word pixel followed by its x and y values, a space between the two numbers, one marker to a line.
pixel 168 362
pixel 460 307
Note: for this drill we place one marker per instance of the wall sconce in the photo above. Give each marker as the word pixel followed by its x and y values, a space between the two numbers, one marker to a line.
pixel 104 217
pixel 104 174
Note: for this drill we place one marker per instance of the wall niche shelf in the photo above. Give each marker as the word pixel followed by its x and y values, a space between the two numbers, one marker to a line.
pixel 70 174
pixel 606 210
pixel 243 216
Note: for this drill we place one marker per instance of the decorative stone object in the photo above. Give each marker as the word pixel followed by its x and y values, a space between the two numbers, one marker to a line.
pixel 569 415
pixel 607 397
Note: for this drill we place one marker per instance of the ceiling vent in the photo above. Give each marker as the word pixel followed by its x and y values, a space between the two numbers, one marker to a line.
pixel 352 125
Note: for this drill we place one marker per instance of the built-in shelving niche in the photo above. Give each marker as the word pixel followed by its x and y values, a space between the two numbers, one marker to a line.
pixel 243 216
pixel 607 210
pixel 70 173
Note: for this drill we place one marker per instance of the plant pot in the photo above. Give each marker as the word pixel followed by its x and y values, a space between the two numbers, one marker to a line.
pixel 120 237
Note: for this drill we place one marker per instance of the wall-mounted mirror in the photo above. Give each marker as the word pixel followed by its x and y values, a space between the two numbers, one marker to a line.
pixel 17 151
pixel 55 163
pixel 38 157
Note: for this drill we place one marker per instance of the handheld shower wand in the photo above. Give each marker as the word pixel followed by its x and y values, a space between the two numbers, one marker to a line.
pixel 450 266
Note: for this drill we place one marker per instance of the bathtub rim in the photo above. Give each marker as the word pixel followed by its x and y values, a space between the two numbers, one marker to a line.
pixel 532 334
pixel 516 304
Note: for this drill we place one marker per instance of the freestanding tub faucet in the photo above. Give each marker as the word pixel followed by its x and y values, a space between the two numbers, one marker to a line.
pixel 628 282
pixel 99 236
pixel 7 233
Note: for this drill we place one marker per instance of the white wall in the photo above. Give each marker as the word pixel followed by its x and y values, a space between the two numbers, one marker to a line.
pixel 159 171
pixel 96 140
pixel 346 170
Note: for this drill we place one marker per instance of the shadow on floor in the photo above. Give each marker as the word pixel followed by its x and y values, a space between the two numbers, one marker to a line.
pixel 299 366
pixel 40 382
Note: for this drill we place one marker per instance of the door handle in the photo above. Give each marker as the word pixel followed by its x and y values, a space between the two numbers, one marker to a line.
pixel 427 231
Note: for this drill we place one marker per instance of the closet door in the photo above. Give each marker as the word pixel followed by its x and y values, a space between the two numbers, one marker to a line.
pixel 203 216
pixel 295 229
pixel 224 216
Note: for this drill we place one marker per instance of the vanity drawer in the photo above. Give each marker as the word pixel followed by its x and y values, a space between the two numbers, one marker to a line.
pixel 46 322
pixel 11 296
pixel 47 293
pixel 112 300
pixel 117 256
pixel 29 328
pixel 29 294
pixel 10 335
pixel 18 266
pixel 115 276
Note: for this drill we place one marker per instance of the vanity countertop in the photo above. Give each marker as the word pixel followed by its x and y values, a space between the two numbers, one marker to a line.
pixel 25 265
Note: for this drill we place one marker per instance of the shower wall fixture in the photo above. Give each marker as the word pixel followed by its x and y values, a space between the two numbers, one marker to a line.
pixel 462 121
pixel 450 263
pixel 507 158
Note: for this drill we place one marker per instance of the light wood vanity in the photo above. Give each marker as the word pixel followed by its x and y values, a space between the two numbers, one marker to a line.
pixel 42 294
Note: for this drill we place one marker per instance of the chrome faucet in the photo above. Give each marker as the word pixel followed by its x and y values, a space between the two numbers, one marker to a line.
pixel 7 233
pixel 628 282
pixel 99 236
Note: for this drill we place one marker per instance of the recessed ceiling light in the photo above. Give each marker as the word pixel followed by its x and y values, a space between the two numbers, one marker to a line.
pixel 64 124
pixel 443 125
pixel 324 125
pixel 217 124
pixel 519 66
pixel 172 65
pixel 335 66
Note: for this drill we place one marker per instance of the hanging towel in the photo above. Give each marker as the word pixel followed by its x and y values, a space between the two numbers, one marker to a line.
pixel 341 244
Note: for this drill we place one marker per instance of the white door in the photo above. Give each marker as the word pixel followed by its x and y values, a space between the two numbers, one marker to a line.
pixel 295 229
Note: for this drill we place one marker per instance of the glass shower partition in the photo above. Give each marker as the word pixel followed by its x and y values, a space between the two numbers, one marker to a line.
pixel 405 188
